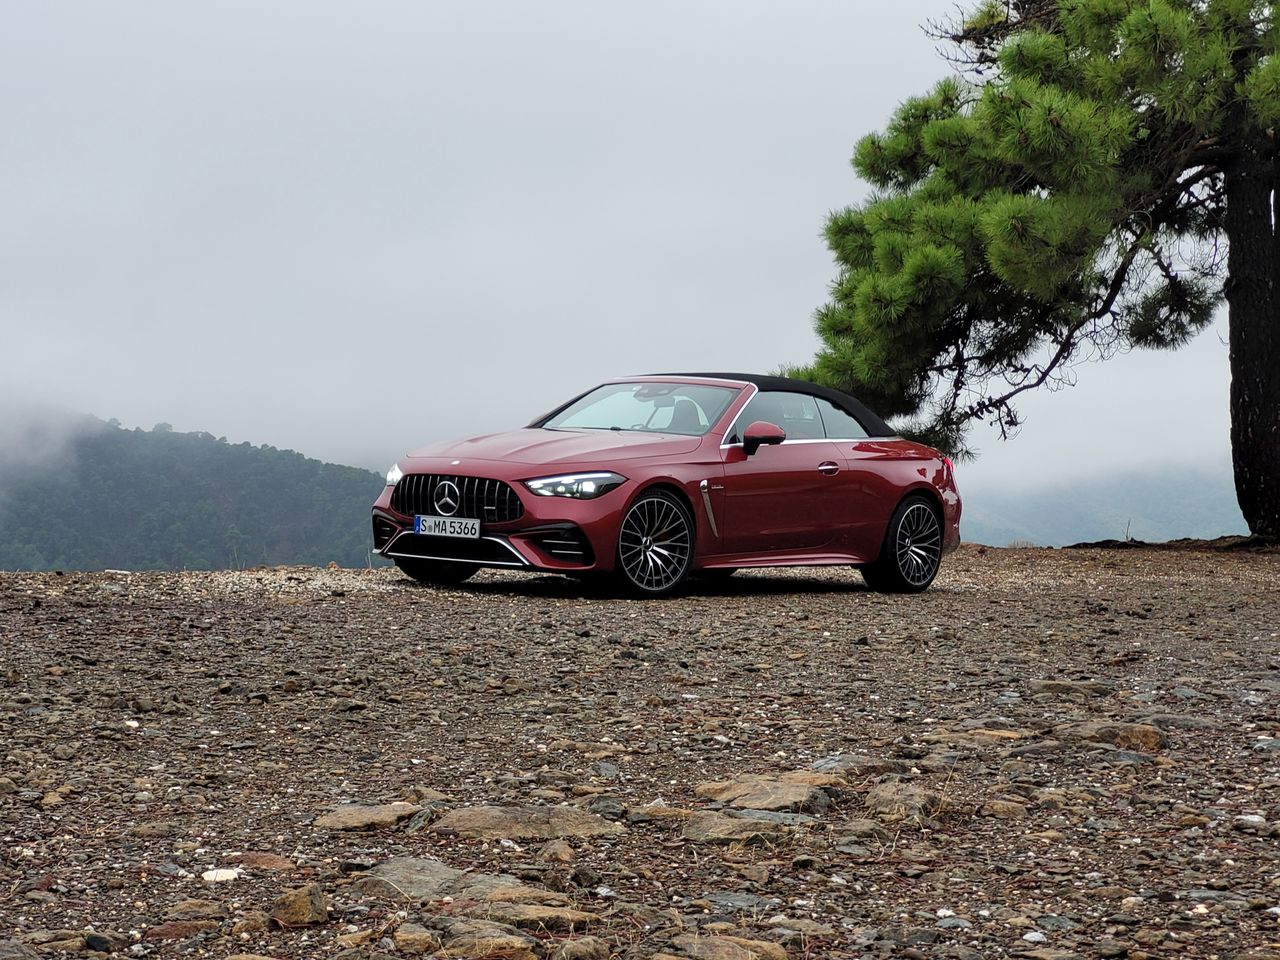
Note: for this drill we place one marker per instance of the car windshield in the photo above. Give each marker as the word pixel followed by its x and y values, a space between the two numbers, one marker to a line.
pixel 684 408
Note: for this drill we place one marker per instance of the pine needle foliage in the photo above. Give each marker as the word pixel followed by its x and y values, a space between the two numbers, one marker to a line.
pixel 1064 197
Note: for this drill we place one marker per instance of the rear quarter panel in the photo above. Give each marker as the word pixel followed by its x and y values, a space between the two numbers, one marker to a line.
pixel 883 472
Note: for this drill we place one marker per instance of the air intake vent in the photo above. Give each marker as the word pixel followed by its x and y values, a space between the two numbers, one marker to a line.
pixel 567 544
pixel 383 531
pixel 490 501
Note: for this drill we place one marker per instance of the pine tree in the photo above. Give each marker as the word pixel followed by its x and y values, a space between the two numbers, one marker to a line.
pixel 1099 175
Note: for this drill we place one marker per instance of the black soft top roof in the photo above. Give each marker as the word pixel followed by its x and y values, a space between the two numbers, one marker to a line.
pixel 874 426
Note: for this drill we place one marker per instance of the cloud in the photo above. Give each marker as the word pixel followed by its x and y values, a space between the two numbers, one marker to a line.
pixel 37 435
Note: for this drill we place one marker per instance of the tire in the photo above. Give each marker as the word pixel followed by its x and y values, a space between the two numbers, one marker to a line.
pixel 655 544
pixel 440 573
pixel 912 550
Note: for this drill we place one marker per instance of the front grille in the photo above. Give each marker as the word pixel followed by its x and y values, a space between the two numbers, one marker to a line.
pixel 491 501
pixel 568 544
pixel 383 531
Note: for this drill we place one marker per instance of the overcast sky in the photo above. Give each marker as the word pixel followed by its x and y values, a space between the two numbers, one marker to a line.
pixel 348 229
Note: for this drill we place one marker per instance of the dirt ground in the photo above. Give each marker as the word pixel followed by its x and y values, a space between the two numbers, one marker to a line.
pixel 1050 754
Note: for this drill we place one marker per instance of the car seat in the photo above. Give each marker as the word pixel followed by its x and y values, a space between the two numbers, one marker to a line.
pixel 685 417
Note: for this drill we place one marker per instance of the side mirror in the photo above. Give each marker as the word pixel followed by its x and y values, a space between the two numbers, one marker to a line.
pixel 761 434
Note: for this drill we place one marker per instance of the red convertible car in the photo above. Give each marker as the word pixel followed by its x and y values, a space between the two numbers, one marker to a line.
pixel 655 478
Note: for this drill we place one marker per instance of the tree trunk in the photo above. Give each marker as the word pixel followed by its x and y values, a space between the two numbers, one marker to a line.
pixel 1253 298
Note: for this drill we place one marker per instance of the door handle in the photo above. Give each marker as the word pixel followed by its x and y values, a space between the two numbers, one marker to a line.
pixel 829 468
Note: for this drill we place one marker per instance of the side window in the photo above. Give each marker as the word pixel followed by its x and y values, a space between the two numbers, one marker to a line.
pixel 796 413
pixel 840 425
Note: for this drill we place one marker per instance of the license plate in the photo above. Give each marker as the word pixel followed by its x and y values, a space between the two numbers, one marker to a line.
pixel 447 527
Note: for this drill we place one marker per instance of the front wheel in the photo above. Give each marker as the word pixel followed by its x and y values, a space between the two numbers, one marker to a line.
pixel 655 544
pixel 912 550
pixel 440 573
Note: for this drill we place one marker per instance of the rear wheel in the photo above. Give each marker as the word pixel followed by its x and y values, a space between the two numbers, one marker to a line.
pixel 912 550
pixel 437 572
pixel 655 544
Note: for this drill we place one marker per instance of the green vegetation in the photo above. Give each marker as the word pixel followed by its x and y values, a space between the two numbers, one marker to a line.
pixel 1099 177
pixel 137 500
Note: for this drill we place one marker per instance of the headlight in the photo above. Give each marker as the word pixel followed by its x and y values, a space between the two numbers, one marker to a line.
pixel 394 475
pixel 580 486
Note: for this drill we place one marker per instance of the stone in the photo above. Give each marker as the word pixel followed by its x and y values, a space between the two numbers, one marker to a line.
pixel 420 879
pixel 524 823
pixel 528 916
pixel 583 948
pixel 754 792
pixel 718 828
pixel 733 902
pixel 1052 922
pixel 1130 736
pixel 1108 949
pixel 557 851
pixel 196 910
pixel 105 942
pixel 268 862
pixel 220 875
pixel 300 907
pixel 178 929
pixel 1178 721
pixel 862 828
pixel 854 765
pixel 358 816
pixel 251 921
pixel 1003 809
pixel 415 940
pixel 12 950
pixel 1109 892
pixel 807 928
pixel 726 948
pixel 523 893
pixel 480 938
pixel 895 802
pixel 658 812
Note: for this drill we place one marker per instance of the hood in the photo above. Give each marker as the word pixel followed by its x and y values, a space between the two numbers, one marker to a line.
pixel 537 446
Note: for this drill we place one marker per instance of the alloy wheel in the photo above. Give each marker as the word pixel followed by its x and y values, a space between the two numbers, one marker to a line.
pixel 655 543
pixel 918 545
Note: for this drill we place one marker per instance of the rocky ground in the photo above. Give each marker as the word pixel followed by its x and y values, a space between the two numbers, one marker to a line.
pixel 1051 754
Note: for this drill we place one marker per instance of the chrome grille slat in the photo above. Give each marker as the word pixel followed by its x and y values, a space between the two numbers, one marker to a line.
pixel 480 498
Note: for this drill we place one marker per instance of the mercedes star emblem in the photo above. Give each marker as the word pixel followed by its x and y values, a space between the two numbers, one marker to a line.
pixel 446 498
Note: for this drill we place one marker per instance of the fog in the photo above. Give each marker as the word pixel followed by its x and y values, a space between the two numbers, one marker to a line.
pixel 350 229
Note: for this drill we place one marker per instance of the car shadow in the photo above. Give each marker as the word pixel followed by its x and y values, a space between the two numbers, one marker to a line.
pixel 744 584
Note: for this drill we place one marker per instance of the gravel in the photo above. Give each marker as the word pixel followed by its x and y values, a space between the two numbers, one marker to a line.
pixel 1050 754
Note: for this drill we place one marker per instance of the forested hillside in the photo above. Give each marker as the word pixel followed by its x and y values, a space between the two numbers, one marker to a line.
pixel 138 500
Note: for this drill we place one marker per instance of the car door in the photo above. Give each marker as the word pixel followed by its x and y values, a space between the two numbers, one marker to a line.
pixel 782 498
pixel 866 495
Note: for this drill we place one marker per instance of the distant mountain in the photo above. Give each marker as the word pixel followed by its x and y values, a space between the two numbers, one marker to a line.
pixel 141 500
pixel 1153 505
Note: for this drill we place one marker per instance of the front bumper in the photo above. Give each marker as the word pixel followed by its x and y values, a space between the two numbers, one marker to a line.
pixel 556 534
